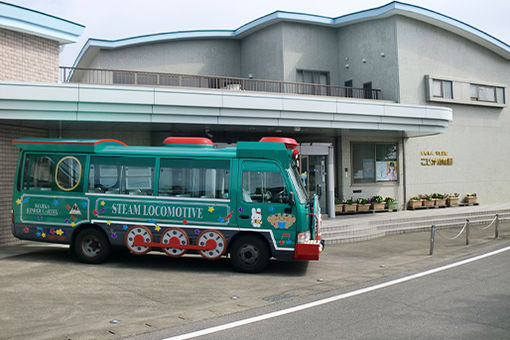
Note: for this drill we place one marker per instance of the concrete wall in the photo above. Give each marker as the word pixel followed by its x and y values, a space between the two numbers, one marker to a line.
pixel 367 40
pixel 25 57
pixel 309 47
pixel 262 53
pixel 478 137
pixel 206 57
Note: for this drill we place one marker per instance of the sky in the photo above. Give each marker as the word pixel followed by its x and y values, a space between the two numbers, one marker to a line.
pixel 116 19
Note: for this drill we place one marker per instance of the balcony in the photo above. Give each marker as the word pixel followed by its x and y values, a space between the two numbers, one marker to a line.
pixel 152 79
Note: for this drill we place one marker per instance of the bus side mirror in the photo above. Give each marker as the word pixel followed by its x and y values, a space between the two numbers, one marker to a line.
pixel 292 199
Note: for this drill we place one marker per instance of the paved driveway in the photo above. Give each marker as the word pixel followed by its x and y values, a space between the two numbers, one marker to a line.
pixel 44 294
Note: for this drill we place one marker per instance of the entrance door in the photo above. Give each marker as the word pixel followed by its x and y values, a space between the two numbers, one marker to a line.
pixel 313 175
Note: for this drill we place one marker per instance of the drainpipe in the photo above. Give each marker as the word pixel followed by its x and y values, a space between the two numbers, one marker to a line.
pixel 331 183
pixel 404 172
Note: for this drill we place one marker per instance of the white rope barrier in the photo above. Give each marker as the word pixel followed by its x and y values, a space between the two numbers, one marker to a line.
pixel 490 224
pixel 455 237
pixel 465 228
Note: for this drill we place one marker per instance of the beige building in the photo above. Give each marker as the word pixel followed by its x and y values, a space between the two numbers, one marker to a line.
pixel 393 101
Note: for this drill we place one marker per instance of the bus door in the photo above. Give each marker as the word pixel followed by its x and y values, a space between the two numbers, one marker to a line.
pixel 264 202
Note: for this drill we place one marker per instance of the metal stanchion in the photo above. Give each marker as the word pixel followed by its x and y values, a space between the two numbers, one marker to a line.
pixel 467 232
pixel 432 236
pixel 496 231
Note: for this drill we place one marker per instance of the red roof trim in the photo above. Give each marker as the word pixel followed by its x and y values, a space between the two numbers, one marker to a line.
pixel 71 143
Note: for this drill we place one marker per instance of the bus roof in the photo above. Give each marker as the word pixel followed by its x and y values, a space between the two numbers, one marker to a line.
pixel 268 150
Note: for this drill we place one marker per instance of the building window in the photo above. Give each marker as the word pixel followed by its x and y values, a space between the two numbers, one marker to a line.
pixel 320 78
pixel 367 90
pixel 485 93
pixel 442 89
pixel 374 162
pixel 348 88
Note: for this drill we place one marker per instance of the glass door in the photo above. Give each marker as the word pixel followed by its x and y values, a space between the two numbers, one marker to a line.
pixel 313 176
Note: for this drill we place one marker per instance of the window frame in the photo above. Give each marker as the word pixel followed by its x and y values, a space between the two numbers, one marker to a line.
pixel 191 171
pixel 55 160
pixel 442 88
pixel 492 87
pixel 375 181
pixel 122 163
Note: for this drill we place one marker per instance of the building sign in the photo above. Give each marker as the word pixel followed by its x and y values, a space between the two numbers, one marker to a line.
pixel 431 158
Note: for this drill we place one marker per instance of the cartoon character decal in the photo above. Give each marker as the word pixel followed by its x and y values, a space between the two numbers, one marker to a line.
pixel 280 221
pixel 256 217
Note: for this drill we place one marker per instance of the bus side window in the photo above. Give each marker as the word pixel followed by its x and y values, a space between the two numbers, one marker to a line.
pixel 119 175
pixel 38 172
pixel 264 187
pixel 194 178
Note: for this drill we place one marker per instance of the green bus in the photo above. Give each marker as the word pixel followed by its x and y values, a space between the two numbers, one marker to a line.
pixel 246 202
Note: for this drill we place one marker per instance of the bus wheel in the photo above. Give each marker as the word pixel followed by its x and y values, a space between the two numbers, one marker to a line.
pixel 91 246
pixel 249 254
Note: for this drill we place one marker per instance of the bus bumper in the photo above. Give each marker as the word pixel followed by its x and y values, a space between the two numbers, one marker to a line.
pixel 308 251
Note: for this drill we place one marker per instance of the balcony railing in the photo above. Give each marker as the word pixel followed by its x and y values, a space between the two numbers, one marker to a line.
pixel 139 78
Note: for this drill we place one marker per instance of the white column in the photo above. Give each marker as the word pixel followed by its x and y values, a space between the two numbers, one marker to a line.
pixel 331 183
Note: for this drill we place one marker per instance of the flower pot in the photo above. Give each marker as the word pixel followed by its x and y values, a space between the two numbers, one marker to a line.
pixel 350 208
pixel 414 204
pixel 470 199
pixel 391 205
pixel 378 206
pixel 428 203
pixel 339 208
pixel 441 202
pixel 363 207
pixel 452 201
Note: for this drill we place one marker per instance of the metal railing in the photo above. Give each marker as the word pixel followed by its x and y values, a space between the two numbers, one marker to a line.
pixel 140 78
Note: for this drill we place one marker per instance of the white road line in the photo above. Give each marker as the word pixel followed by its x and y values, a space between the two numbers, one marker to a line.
pixel 331 299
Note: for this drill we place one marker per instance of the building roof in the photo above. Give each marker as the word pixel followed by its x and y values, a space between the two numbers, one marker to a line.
pixel 28 21
pixel 393 8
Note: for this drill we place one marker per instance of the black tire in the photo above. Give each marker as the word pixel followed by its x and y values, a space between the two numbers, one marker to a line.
pixel 91 246
pixel 249 254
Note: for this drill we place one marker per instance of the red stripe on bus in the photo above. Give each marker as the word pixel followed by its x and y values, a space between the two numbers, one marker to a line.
pixel 74 143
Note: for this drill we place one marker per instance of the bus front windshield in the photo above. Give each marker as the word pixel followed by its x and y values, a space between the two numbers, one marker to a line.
pixel 298 184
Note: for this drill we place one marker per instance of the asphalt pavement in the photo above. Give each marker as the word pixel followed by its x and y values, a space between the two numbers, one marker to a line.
pixel 44 294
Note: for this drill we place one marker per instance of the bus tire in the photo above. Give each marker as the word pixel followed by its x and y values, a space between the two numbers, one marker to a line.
pixel 91 246
pixel 249 254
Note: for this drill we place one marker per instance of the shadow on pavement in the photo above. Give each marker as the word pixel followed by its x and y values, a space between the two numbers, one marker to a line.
pixel 121 258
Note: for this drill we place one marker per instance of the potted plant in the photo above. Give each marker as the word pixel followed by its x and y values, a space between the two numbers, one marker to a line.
pixel 415 202
pixel 377 203
pixel 350 206
pixel 363 204
pixel 440 199
pixel 470 198
pixel 339 206
pixel 391 203
pixel 452 199
pixel 427 200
